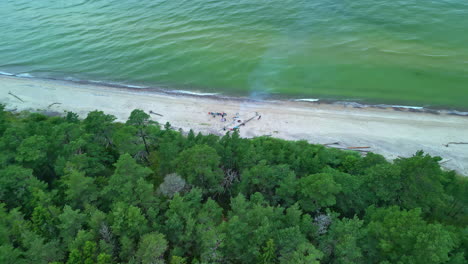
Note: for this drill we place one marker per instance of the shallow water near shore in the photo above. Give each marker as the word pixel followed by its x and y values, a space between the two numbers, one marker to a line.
pixel 410 52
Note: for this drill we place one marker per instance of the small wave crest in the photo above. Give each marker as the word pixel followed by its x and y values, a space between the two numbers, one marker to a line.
pixel 402 106
pixel 393 51
pixel 24 75
pixel 306 100
pixel 116 84
pixel 6 73
pixel 134 86
pixel 191 93
pixel 435 55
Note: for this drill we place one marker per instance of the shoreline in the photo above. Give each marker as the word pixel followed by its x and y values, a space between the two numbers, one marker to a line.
pixel 139 88
pixel 393 131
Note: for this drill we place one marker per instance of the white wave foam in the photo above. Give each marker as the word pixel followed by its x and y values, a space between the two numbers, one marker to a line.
pixel 408 107
pixel 134 86
pixel 116 84
pixel 307 100
pixel 455 112
pixel 393 51
pixel 435 55
pixel 72 79
pixel 402 106
pixel 25 75
pixel 6 73
pixel 192 93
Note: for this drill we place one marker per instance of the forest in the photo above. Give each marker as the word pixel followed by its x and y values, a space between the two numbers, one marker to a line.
pixel 92 190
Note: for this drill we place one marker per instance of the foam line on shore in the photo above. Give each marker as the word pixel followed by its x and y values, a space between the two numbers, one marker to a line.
pixel 141 88
pixel 191 93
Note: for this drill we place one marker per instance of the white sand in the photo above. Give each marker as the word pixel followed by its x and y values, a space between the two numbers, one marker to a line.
pixel 386 131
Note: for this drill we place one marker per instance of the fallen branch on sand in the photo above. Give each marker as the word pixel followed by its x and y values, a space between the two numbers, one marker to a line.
pixel 357 147
pixel 53 104
pixel 241 124
pixel 154 113
pixel 351 148
pixel 456 143
pixel 248 120
pixel 444 161
pixel 333 143
pixel 10 93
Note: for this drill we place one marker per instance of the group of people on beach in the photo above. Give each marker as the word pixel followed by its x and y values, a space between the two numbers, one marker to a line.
pixel 235 120
pixel 215 114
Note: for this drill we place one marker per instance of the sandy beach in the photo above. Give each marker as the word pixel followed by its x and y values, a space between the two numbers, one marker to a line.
pixel 385 131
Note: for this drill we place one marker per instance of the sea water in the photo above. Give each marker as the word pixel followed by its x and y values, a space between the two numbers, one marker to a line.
pixel 409 52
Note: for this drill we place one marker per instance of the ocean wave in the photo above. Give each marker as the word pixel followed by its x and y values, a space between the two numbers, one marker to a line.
pixel 361 105
pixel 393 51
pixel 71 79
pixel 307 100
pixel 134 86
pixel 435 55
pixel 455 112
pixel 6 73
pixel 115 84
pixel 402 106
pixel 191 93
pixel 24 75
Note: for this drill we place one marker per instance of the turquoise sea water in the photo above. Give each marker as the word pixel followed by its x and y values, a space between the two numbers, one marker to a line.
pixel 412 52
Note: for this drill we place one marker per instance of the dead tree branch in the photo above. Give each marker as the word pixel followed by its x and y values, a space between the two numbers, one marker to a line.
pixel 10 93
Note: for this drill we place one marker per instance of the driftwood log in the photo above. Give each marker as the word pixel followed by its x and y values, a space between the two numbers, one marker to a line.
pixel 154 113
pixel 456 143
pixel 333 143
pixel 52 104
pixel 10 93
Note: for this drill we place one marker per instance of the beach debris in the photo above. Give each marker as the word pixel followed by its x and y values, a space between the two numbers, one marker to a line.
pixel 154 113
pixel 456 143
pixel 242 123
pixel 248 120
pixel 333 143
pixel 236 121
pixel 12 94
pixel 359 149
pixel 445 161
pixel 52 104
